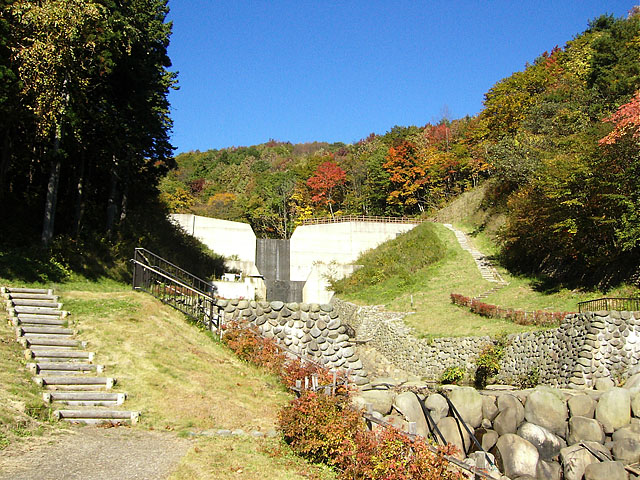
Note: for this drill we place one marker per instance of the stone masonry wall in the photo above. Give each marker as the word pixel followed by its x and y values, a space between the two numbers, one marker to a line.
pixel 388 334
pixel 310 329
pixel 584 348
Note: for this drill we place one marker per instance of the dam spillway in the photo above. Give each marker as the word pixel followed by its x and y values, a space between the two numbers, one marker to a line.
pixel 295 269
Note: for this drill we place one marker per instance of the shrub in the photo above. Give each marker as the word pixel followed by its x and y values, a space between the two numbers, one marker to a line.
pixel 250 346
pixel 452 375
pixel 320 427
pixel 529 379
pixel 488 363
pixel 325 429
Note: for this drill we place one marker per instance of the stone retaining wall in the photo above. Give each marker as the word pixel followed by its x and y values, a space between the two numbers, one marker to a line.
pixel 541 434
pixel 584 348
pixel 309 329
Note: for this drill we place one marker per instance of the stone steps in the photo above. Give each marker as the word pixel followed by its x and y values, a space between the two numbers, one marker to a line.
pixel 485 267
pixel 60 364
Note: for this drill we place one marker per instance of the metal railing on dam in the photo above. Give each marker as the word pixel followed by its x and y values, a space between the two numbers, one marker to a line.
pixel 610 303
pixel 360 218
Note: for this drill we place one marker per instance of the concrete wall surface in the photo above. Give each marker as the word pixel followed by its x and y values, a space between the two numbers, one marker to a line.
pixel 243 290
pixel 317 288
pixel 222 236
pixel 341 243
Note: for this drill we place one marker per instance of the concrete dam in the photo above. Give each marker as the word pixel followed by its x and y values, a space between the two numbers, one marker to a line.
pixel 295 269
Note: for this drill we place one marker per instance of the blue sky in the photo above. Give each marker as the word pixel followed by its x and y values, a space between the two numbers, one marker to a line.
pixel 303 71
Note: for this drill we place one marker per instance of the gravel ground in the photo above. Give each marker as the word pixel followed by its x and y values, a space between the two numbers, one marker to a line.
pixel 91 453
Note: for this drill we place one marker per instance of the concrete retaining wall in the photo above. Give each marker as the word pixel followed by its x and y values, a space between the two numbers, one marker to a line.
pixel 222 236
pixel 340 243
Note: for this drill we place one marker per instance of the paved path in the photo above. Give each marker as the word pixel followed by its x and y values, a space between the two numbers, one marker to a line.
pixel 90 453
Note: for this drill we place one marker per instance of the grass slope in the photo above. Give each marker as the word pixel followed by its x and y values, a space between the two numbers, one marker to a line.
pixel 180 378
pixel 426 295
pixel 427 264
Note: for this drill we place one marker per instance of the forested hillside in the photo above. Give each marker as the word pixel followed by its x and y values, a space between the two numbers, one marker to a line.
pixel 85 144
pixel 84 131
pixel 560 139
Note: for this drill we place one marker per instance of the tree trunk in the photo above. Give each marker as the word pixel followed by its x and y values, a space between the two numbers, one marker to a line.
pixel 80 205
pixel 112 202
pixel 124 202
pixel 52 190
pixel 4 161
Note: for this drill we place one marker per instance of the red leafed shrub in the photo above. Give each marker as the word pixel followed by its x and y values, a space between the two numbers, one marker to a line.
pixel 484 309
pixel 320 427
pixel 541 318
pixel 325 429
pixel 390 455
pixel 460 300
pixel 247 343
pixel 250 346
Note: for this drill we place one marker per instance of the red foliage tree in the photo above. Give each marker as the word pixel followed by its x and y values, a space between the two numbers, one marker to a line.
pixel 325 182
pixel 626 121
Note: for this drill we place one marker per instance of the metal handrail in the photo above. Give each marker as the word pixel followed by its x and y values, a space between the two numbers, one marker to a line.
pixel 190 278
pixel 190 295
pixel 610 303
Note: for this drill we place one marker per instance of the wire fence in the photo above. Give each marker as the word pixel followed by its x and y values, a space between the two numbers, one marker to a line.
pixel 610 303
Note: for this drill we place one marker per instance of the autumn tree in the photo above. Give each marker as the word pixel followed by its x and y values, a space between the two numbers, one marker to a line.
pixel 325 184
pixel 626 121
pixel 54 57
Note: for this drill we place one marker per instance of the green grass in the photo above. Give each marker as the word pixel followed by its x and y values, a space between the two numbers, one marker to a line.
pixel 395 262
pixel 531 293
pixel 427 297
pixel 406 276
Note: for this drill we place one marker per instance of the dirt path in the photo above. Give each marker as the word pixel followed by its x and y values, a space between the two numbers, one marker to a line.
pixel 91 453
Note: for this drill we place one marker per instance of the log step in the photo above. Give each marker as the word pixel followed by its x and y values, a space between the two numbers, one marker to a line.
pixel 60 355
pixel 42 291
pixel 93 416
pixel 60 367
pixel 75 381
pixel 84 398
pixel 26 318
pixel 19 302
pixel 38 330
pixel 49 342
pixel 37 311
pixel 32 296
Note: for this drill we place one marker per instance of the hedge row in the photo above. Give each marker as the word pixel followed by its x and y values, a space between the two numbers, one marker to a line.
pixel 540 317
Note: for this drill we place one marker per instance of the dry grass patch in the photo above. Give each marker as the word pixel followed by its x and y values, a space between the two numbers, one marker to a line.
pixel 175 373
pixel 245 458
